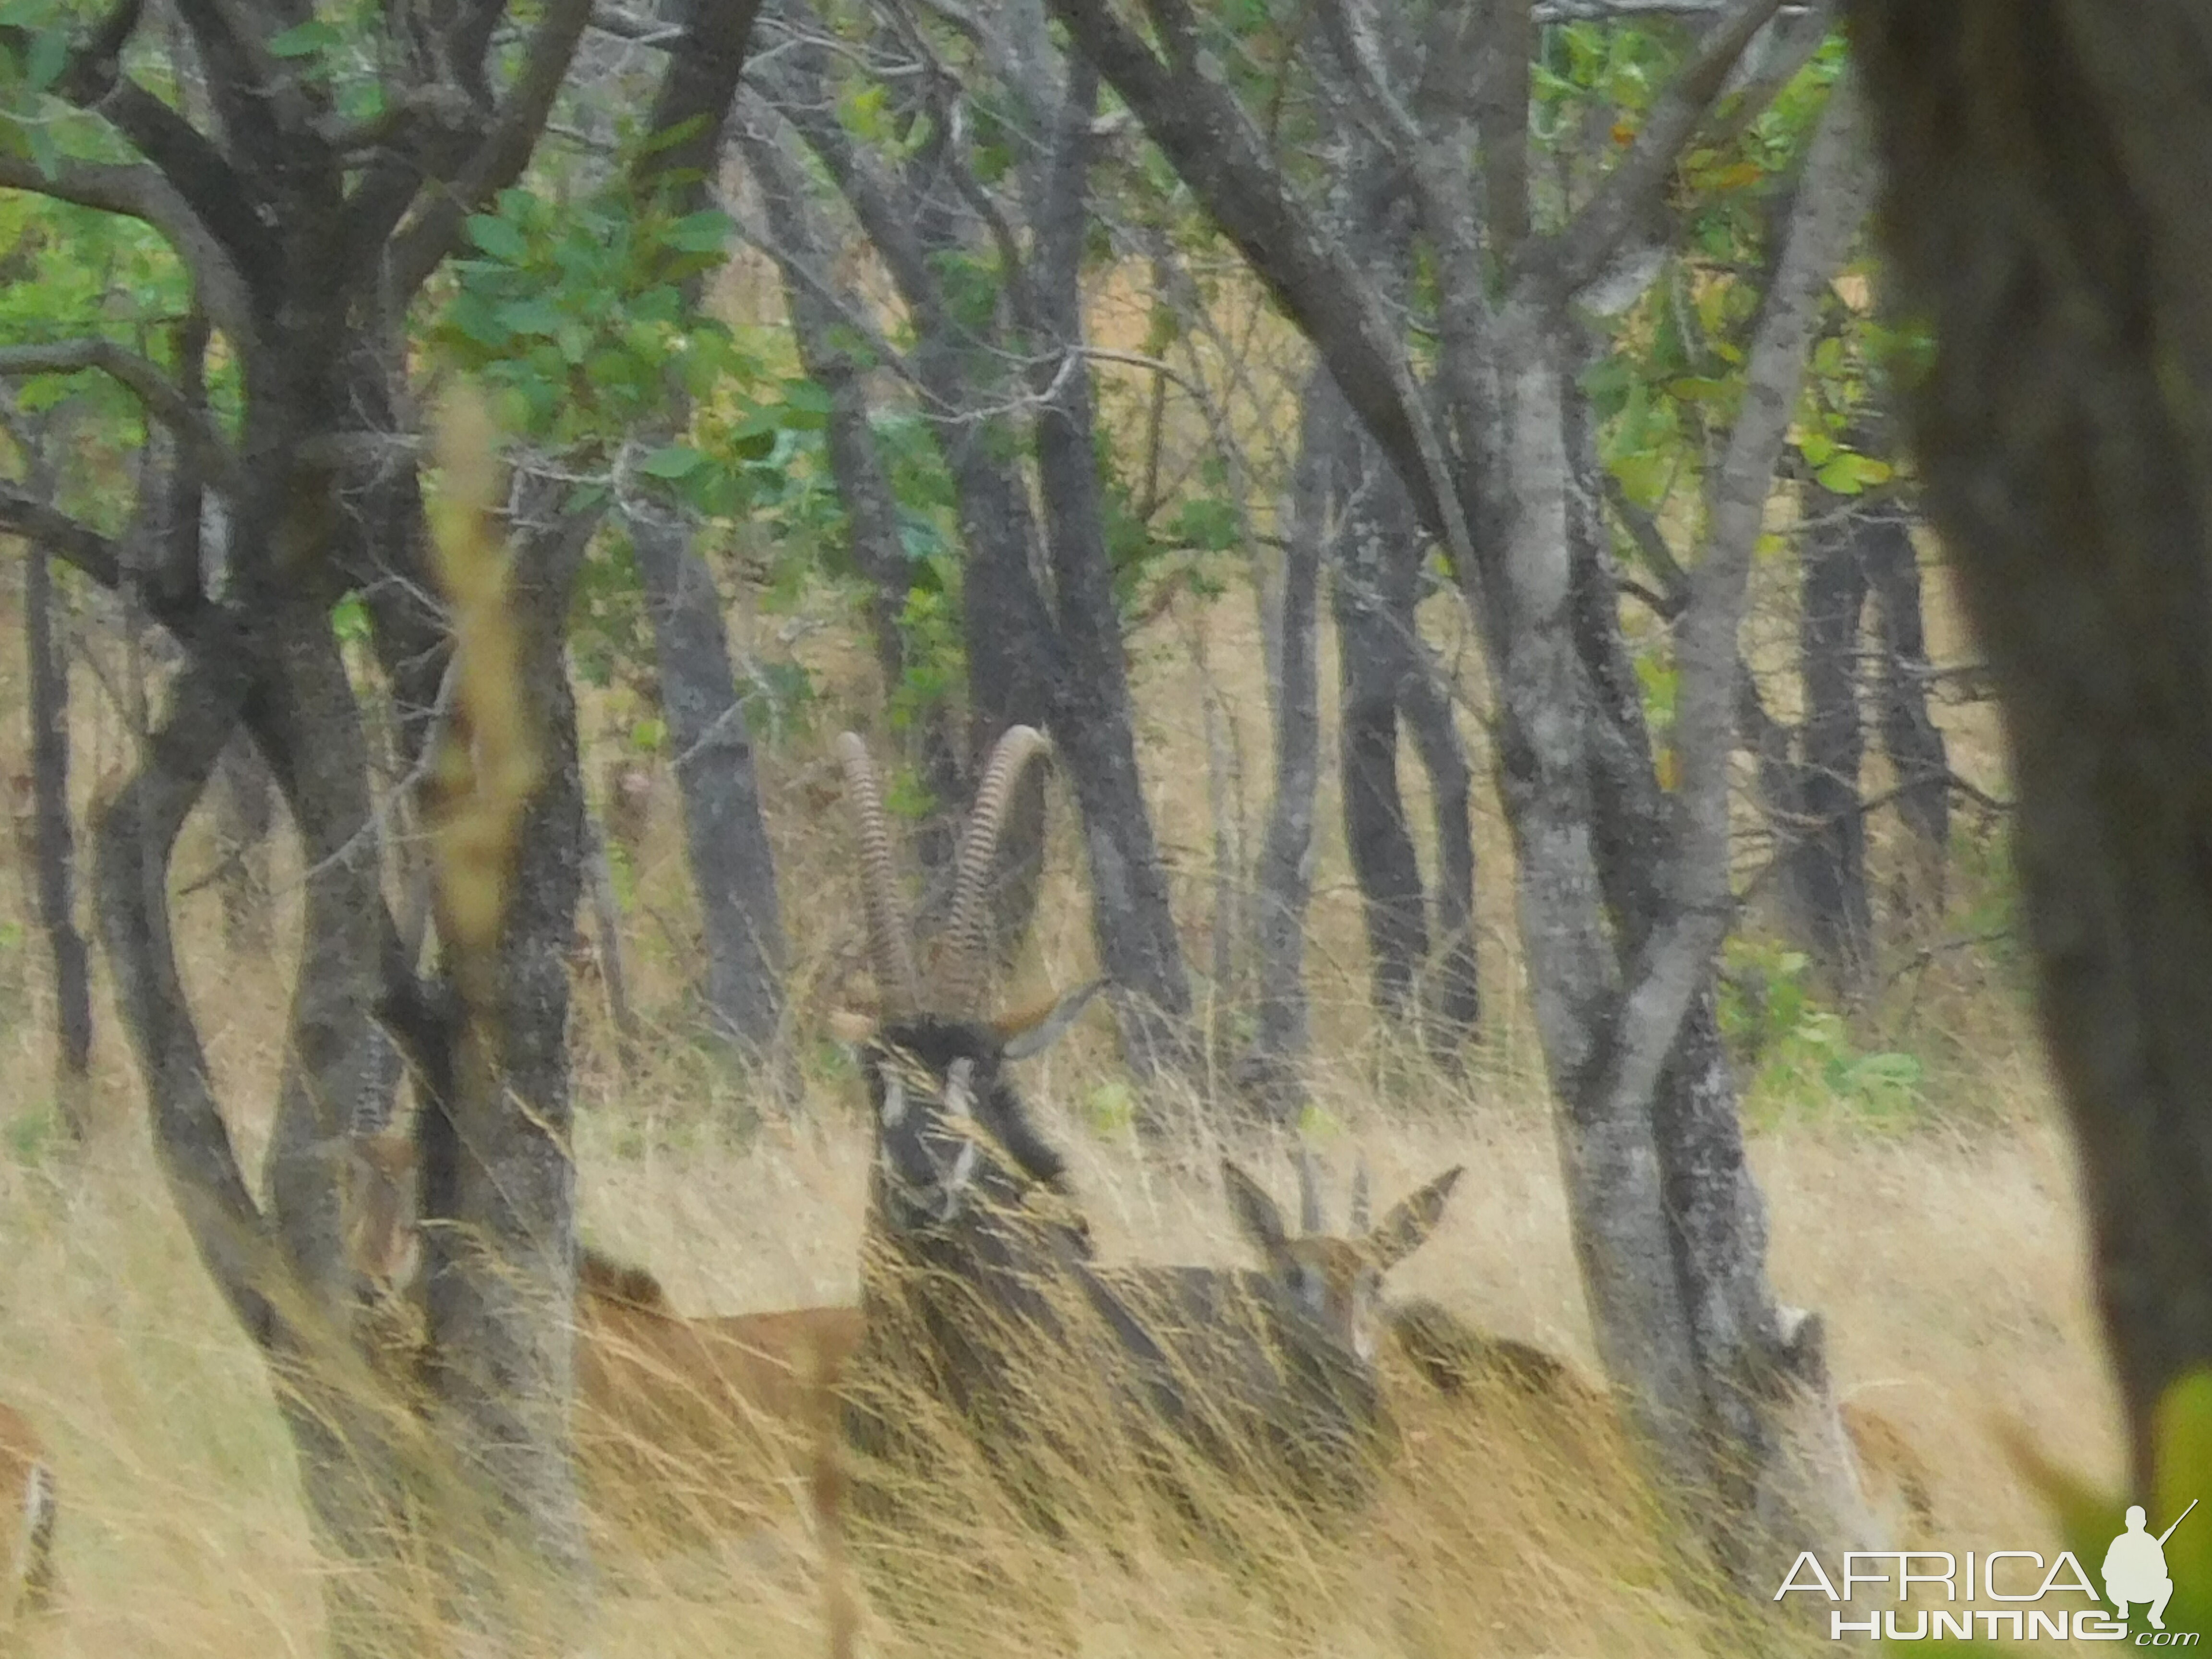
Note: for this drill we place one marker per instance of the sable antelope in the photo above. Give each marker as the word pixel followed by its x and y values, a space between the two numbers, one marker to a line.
pixel 977 1286
pixel 27 1498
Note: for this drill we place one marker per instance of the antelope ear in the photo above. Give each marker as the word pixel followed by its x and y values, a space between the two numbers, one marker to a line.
pixel 1256 1214
pixel 1411 1221
pixel 1029 1032
pixel 851 1026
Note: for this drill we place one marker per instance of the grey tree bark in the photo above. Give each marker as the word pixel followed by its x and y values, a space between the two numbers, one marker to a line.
pixel 726 833
pixel 52 844
pixel 820 306
pixel 2047 169
pixel 1273 1076
pixel 725 830
pixel 1918 757
pixel 1824 870
pixel 1668 1226
pixel 1049 657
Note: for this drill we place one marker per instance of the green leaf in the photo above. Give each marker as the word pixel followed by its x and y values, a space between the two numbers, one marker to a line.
pixel 304 39
pixel 534 316
pixel 350 620
pixel 49 56
pixel 1850 472
pixel 44 152
pixel 706 232
pixel 649 736
pixel 671 461
pixel 498 238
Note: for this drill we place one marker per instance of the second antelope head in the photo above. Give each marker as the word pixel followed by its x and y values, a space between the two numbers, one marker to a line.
pixel 1335 1281
pixel 952 1138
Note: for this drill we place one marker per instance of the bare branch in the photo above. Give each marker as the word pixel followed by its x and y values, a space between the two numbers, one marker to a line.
pixel 1197 122
pixel 216 193
pixel 632 27
pixel 499 160
pixel 163 400
pixel 84 548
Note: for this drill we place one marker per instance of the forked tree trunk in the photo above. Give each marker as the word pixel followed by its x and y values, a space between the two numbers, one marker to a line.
pixel 1666 1223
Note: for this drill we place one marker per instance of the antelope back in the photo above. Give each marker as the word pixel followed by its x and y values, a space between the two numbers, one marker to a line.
pixel 29 1506
pixel 687 1426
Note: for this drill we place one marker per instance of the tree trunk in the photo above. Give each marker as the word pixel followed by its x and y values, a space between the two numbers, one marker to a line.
pixel 607 925
pixel 350 1460
pixel 726 835
pixel 732 865
pixel 52 852
pixel 1825 849
pixel 245 812
pixel 499 1171
pixel 1910 735
pixel 818 302
pixel 1371 664
pixel 1095 717
pixel 2048 168
pixel 1452 1011
pixel 1274 1076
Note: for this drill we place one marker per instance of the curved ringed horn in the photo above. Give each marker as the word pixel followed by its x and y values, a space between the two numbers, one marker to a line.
pixel 888 949
pixel 1360 1222
pixel 967 948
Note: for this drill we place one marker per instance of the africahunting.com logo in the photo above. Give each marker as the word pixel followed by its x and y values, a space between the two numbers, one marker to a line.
pixel 2133 1570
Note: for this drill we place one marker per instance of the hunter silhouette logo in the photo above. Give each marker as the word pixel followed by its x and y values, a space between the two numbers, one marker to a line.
pixel 1924 1595
pixel 2135 1567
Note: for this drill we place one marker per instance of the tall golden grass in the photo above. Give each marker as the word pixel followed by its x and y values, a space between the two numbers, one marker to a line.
pixel 1946 1251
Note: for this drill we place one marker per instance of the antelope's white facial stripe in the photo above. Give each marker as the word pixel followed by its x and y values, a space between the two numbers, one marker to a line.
pixel 960 1089
pixel 894 1110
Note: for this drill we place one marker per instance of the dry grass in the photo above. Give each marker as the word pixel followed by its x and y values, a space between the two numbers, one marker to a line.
pixel 1948 1254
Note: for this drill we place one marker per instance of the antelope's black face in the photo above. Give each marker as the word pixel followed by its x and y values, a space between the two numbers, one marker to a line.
pixel 930 1082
